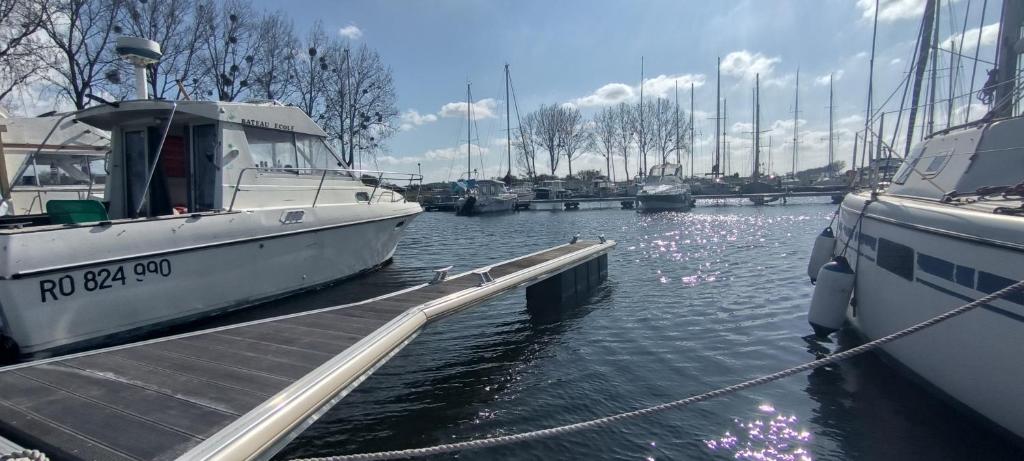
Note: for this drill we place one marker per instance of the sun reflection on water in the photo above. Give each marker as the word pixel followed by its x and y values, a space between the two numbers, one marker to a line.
pixel 770 437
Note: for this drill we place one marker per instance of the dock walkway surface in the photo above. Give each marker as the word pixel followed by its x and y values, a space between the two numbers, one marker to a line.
pixel 243 391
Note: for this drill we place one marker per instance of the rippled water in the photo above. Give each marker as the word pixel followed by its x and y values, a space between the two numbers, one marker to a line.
pixel 694 301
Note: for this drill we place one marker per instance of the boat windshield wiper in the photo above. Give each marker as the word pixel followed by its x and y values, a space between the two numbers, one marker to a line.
pixel 102 101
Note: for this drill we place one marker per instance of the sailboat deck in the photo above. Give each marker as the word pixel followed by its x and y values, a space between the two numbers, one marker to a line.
pixel 159 399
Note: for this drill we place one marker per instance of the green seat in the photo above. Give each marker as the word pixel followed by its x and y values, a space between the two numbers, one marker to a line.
pixel 75 211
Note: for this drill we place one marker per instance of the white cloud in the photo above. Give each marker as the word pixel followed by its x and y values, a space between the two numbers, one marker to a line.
pixel 742 127
pixel 851 119
pixel 744 64
pixel 895 62
pixel 484 108
pixel 610 94
pixel 892 10
pixel 861 55
pixel 662 86
pixel 822 80
pixel 448 153
pixel 989 36
pixel 397 160
pixel 351 32
pixel 411 118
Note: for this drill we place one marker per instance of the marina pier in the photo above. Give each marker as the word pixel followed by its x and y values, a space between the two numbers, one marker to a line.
pixel 243 391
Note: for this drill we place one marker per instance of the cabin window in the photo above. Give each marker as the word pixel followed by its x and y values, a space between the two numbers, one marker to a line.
pixel 204 165
pixel 936 164
pixel 313 153
pixel 137 168
pixel 896 258
pixel 271 148
pixel 64 170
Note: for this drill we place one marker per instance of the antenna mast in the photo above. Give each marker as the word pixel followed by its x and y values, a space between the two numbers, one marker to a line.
pixel 508 129
pixel 796 122
pixel 643 150
pixel 831 156
pixel 757 126
pixel 691 129
pixel 678 155
pixel 716 168
pixel 469 134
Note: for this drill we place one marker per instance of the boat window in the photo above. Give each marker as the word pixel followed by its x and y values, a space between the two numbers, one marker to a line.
pixel 51 169
pixel 137 168
pixel 271 148
pixel 896 258
pixel 204 164
pixel 936 164
pixel 313 153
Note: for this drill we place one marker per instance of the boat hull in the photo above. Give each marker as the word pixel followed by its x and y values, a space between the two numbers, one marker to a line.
pixel 229 261
pixel 674 202
pixel 914 263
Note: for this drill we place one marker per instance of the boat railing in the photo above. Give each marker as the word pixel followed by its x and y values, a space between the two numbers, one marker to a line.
pixel 384 183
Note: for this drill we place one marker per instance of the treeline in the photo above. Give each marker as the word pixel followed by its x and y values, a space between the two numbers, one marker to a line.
pixel 652 131
pixel 212 49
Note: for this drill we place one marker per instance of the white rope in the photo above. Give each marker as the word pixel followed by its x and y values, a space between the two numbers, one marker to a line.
pixel 608 420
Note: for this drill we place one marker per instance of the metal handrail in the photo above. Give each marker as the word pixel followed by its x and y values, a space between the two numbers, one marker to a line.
pixel 356 175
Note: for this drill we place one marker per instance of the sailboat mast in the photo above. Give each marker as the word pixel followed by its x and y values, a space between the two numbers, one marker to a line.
pixel 691 129
pixel 757 126
pixel 678 158
pixel 922 62
pixel 871 82
pixel 725 140
pixel 935 71
pixel 716 168
pixel 643 150
pixel 796 121
pixel 831 157
pixel 508 129
pixel 469 134
pixel 1006 59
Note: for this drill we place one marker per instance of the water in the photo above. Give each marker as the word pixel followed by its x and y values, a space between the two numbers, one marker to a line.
pixel 694 301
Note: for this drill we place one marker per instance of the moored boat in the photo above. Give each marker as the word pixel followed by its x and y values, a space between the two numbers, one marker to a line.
pixel 665 190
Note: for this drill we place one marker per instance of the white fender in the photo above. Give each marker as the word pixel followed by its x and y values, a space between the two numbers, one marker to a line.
pixel 831 297
pixel 821 253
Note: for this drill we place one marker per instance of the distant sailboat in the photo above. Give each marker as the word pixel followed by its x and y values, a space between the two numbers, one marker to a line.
pixel 479 195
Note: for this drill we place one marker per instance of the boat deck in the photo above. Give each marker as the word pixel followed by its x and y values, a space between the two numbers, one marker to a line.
pixel 242 390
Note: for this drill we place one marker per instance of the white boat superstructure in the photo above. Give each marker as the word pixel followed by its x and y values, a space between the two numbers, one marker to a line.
pixel 665 189
pixel 949 229
pixel 53 157
pixel 551 190
pixel 208 206
pixel 484 196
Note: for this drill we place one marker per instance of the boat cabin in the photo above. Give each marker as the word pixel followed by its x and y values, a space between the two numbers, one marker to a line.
pixel 200 156
pixel 667 173
pixel 962 161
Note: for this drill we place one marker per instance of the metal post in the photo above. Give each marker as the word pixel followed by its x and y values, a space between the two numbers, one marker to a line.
pixel 156 160
pixel 321 186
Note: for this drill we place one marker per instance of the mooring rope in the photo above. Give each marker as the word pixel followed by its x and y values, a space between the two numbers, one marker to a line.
pixel 608 420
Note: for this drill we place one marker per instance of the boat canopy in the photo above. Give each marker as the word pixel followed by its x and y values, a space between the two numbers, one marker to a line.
pixel 266 115
pixel 667 169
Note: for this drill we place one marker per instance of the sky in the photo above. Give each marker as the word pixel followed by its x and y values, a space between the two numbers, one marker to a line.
pixel 588 53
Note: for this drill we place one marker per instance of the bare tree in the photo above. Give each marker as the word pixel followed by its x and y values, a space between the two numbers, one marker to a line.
pixel 310 72
pixel 526 146
pixel 231 41
pixel 275 59
pixel 663 128
pixel 20 52
pixel 604 136
pixel 171 24
pixel 627 126
pixel 80 33
pixel 643 130
pixel 362 107
pixel 572 132
pixel 546 131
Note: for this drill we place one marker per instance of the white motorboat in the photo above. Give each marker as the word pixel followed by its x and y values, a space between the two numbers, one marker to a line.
pixel 551 190
pixel 948 230
pixel 484 196
pixel 665 190
pixel 208 206
pixel 53 157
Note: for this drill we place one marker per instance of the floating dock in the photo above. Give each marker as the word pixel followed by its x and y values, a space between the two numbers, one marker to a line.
pixel 573 203
pixel 244 391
